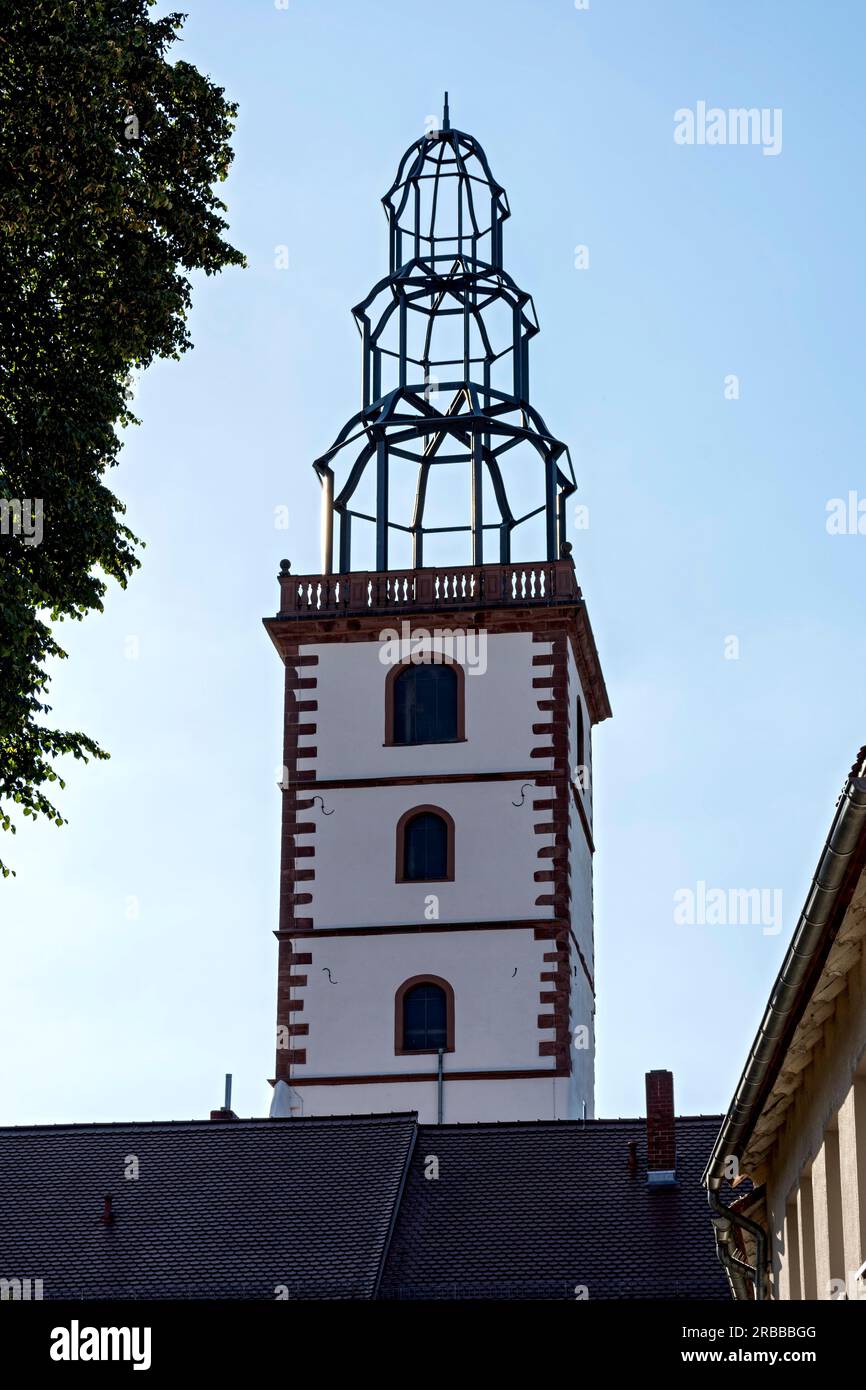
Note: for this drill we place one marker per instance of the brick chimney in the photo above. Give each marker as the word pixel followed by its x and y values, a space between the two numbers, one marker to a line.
pixel 661 1142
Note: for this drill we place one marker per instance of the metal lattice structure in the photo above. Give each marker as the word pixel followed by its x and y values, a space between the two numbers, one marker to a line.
pixel 445 375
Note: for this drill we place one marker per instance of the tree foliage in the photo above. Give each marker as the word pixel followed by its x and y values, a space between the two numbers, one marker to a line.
pixel 108 157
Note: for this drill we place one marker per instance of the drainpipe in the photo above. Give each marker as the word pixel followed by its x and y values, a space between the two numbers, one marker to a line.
pixel 738 1270
pixel 440 1087
pixel 740 1275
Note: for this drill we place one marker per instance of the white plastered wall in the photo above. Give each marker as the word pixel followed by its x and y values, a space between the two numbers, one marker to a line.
pixel 465 1102
pixel 575 692
pixel 825 1088
pixel 350 719
pixel 356 856
pixel 582 1080
pixel 496 858
pixel 353 981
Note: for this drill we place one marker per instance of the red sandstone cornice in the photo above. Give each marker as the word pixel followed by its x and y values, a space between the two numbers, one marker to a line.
pixel 505 597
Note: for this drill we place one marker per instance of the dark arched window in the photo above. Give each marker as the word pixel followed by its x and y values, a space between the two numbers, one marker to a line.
pixel 581 736
pixel 425 703
pixel 424 1018
pixel 427 846
pixel 424 1015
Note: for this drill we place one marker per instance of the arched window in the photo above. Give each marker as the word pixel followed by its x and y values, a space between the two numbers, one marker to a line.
pixel 424 1015
pixel 425 845
pixel 424 702
pixel 581 736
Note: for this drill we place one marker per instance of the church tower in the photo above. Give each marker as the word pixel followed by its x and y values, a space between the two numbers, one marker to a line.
pixel 436 920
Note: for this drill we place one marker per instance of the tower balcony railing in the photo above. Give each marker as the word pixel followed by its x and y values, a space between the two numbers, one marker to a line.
pixel 548 582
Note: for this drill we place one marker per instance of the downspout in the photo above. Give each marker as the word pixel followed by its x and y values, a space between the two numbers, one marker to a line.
pixel 440 1087
pixel 805 955
pixel 739 1270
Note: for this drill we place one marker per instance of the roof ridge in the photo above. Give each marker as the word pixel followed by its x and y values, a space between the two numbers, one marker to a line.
pixel 330 1120
pixel 611 1120
pixel 334 1121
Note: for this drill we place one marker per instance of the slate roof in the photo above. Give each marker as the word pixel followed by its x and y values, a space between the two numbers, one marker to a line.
pixel 219 1209
pixel 339 1208
pixel 532 1210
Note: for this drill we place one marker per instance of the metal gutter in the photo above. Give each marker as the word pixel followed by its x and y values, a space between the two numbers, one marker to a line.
pixel 789 996
pixel 814 935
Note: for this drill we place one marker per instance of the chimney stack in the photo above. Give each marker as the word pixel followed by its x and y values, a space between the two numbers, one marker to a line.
pixel 661 1144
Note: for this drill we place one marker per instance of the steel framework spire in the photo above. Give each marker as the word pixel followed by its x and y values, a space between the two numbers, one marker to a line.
pixel 445 381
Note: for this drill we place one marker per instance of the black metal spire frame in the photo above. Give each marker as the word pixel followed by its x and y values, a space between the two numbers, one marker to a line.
pixel 445 382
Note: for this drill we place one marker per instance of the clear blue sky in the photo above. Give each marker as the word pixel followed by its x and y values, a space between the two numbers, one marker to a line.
pixel 707 519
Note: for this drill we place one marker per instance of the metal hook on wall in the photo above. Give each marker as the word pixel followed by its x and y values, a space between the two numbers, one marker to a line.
pixel 523 793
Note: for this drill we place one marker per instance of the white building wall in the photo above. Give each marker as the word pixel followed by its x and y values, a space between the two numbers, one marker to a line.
pixel 352 983
pixel 495 851
pixel 581 1091
pixel 581 887
pixel 575 693
pixel 463 1101
pixel 837 1064
pixel 348 999
pixel 582 1087
pixel 350 719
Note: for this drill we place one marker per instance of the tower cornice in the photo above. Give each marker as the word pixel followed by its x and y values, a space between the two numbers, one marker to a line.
pixel 358 606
